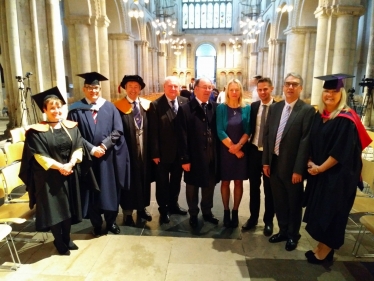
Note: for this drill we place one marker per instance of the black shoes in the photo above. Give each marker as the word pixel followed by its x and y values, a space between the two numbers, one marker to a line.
pixel 193 221
pixel 211 218
pixel 128 221
pixel 249 224
pixel 177 210
pixel 226 218
pixel 97 231
pixel 164 218
pixel 62 249
pixel 291 244
pixel 312 258
pixel 114 229
pixel 277 238
pixel 144 214
pixel 268 229
pixel 234 219
pixel 72 245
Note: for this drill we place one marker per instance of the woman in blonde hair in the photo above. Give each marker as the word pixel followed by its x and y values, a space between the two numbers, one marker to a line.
pixel 233 130
pixel 337 140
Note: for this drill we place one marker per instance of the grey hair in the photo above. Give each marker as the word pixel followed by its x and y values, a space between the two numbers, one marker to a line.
pixel 295 75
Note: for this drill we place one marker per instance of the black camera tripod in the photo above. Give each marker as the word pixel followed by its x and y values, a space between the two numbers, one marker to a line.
pixel 24 92
pixel 367 104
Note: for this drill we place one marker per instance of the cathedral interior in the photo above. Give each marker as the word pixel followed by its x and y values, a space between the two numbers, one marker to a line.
pixel 46 43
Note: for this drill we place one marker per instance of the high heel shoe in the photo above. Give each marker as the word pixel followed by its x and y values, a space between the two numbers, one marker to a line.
pixel 314 260
pixel 226 218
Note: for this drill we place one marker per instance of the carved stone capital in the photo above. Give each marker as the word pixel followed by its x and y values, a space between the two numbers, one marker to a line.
pixel 356 11
pixel 72 20
pixel 141 43
pixel 120 36
pixel 103 21
pixel 161 54
pixel 301 30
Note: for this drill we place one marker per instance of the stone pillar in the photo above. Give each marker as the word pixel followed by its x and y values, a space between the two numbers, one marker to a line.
pixel 15 110
pixel 154 70
pixel 320 53
pixel 280 51
pixel 56 50
pixel 103 23
pixel 299 51
pixel 370 59
pixel 345 37
pixel 121 51
pixel 271 58
pixel 142 47
pixel 161 70
pixel 260 61
pixel 79 50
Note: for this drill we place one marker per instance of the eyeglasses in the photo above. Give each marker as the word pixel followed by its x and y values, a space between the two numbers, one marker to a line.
pixel 206 88
pixel 293 84
pixel 93 89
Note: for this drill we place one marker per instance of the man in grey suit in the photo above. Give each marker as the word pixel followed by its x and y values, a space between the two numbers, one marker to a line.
pixel 163 147
pixel 285 156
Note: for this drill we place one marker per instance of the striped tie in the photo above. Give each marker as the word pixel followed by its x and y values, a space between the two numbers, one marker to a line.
pixel 285 114
pixel 94 113
pixel 173 107
pixel 137 115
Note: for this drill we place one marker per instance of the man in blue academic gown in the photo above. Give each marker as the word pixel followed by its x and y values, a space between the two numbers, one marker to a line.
pixel 101 127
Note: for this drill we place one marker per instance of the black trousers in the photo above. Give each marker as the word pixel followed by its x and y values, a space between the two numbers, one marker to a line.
pixel 207 192
pixel 255 174
pixel 96 219
pixel 168 185
pixel 288 199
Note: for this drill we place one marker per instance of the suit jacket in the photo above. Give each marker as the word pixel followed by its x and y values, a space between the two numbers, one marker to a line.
pixel 294 145
pixel 162 129
pixel 253 118
pixel 193 141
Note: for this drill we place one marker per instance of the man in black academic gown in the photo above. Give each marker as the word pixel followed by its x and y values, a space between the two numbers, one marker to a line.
pixel 132 110
pixel 101 127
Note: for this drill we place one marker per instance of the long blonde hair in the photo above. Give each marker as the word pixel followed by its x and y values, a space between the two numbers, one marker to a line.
pixel 341 106
pixel 236 81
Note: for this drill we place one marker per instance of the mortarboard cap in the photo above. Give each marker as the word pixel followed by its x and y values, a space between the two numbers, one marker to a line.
pixel 41 97
pixel 92 78
pixel 134 78
pixel 334 81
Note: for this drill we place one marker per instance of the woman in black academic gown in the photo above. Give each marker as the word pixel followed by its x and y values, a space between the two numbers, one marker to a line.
pixel 337 139
pixel 49 170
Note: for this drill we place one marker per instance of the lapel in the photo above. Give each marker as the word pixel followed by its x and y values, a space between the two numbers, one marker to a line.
pixel 295 111
pixel 89 119
pixel 166 108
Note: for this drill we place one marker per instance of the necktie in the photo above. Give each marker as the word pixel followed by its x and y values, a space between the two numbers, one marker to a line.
pixel 94 113
pixel 285 114
pixel 203 105
pixel 137 115
pixel 262 125
pixel 173 106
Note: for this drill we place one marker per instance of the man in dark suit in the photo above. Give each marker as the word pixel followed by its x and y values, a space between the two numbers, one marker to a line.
pixel 163 146
pixel 197 140
pixel 285 156
pixel 185 93
pixel 191 86
pixel 259 110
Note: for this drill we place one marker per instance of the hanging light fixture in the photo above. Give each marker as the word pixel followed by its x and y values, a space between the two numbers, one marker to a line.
pixel 235 44
pixel 136 10
pixel 178 45
pixel 164 22
pixel 284 8
pixel 251 21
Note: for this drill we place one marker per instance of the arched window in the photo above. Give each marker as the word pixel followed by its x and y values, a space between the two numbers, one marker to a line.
pixel 202 14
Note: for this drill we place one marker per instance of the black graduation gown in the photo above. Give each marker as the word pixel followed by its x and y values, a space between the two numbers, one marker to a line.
pixel 330 195
pixel 56 197
pixel 139 195
pixel 111 170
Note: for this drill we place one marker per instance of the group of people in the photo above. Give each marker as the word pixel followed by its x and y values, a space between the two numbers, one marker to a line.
pixel 106 155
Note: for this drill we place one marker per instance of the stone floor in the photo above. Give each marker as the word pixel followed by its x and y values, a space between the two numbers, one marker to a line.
pixel 173 252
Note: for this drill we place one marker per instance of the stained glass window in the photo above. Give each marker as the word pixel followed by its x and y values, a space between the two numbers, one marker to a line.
pixel 202 14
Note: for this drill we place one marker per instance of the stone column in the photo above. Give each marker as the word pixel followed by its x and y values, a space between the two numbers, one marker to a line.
pixel 121 54
pixel 79 45
pixel 142 47
pixel 271 58
pixel 370 60
pixel 15 110
pixel 280 46
pixel 154 70
pixel 295 50
pixel 265 70
pixel 260 61
pixel 320 53
pixel 56 50
pixel 103 23
pixel 161 70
